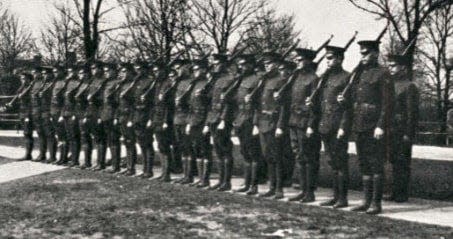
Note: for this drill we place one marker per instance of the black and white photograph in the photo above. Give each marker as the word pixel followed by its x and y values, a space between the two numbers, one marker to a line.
pixel 226 119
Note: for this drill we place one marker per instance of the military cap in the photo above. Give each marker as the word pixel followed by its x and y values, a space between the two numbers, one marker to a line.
pixel 369 45
pixel 172 73
pixel 335 50
pixel 97 64
pixel 126 65
pixel 47 69
pixel 246 58
pixel 200 63
pixel 270 56
pixel 305 53
pixel 159 64
pixel 287 65
pixel 219 58
pixel 398 59
pixel 140 62
pixel 110 65
pixel 180 62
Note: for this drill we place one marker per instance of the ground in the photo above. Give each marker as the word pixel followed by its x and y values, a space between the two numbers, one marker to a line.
pixel 72 203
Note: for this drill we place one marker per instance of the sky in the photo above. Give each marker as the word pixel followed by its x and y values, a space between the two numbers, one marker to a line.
pixel 317 19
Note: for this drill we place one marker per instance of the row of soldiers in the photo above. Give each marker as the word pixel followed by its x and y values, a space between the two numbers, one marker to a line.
pixel 279 113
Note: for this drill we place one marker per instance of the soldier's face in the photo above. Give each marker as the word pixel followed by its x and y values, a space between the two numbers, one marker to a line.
pixel 198 72
pixel 269 66
pixel 368 56
pixel 302 62
pixel 95 70
pixel 82 75
pixel 394 68
pixel 283 71
pixel 333 61
pixel 217 66
pixel 70 72
pixel 123 73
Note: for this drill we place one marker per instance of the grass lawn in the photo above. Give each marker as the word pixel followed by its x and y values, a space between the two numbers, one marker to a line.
pixel 73 204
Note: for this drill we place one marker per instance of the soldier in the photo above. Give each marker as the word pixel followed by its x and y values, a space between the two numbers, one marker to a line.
pixel 143 106
pixel 125 116
pixel 108 115
pixel 93 122
pixel 25 111
pixel 302 123
pixel 162 116
pixel 334 124
pixel 268 122
pixel 243 121
pixel 404 126
pixel 181 99
pixel 370 97
pixel 46 97
pixel 38 125
pixel 218 125
pixel 81 115
pixel 56 113
pixel 199 104
pixel 70 115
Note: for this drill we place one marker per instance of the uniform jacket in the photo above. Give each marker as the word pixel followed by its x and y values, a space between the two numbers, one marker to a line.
pixel 35 99
pixel 110 99
pixel 245 111
pixel 81 99
pixel 69 108
pixel 142 108
pixel 406 106
pixel 127 101
pixel 199 102
pixel 370 94
pixel 332 115
pixel 269 112
pixel 182 108
pixel 221 84
pixel 58 91
pixel 94 96
pixel 302 116
pixel 164 105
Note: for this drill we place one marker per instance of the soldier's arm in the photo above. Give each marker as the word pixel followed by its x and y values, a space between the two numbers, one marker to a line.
pixel 412 111
pixel 315 110
pixel 346 119
pixel 387 88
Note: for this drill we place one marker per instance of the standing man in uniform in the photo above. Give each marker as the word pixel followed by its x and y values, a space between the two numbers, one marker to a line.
pixel 108 115
pixel 244 112
pixel 36 111
pixel 45 95
pixel 93 121
pixel 404 126
pixel 334 124
pixel 305 141
pixel 199 105
pixel 370 97
pixel 70 116
pixel 56 112
pixel 218 127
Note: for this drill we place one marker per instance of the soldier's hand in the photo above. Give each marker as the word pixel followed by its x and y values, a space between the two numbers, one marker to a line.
pixel 222 96
pixel 2 109
pixel 255 130
pixel 89 97
pixel 161 97
pixel 406 138
pixel 149 124
pixel 340 133
pixel 205 129
pixel 99 121
pixel 378 133
pixel 308 101
pixel 60 119
pixel 129 124
pixel 188 129
pixel 309 132
pixel 84 120
pixel 115 121
pixel 8 105
pixel 278 132
pixel 40 94
pixel 247 98
pixel 165 125
pixel 340 98
pixel 221 125
pixel 276 95
pixel 27 119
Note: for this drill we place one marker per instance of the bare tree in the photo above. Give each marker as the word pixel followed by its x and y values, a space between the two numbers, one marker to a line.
pixel 15 40
pixel 405 16
pixel 61 36
pixel 225 20
pixel 271 31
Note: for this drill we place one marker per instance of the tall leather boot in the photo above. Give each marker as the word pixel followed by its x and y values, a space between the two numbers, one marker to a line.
pixel 272 181
pixel 148 163
pixel 75 152
pixel 367 182
pixel 311 183
pixel 335 191
pixel 102 149
pixel 190 171
pixel 185 162
pixel 87 151
pixel 253 179
pixel 132 160
pixel 207 164
pixel 199 171
pixel 42 148
pixel 278 181
pixel 221 168
pixel 63 148
pixel 28 148
pixel 52 148
pixel 115 151
pixel 165 169
pixel 226 186
pixel 247 178
pixel 302 183
pixel 376 204
pixel 343 182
